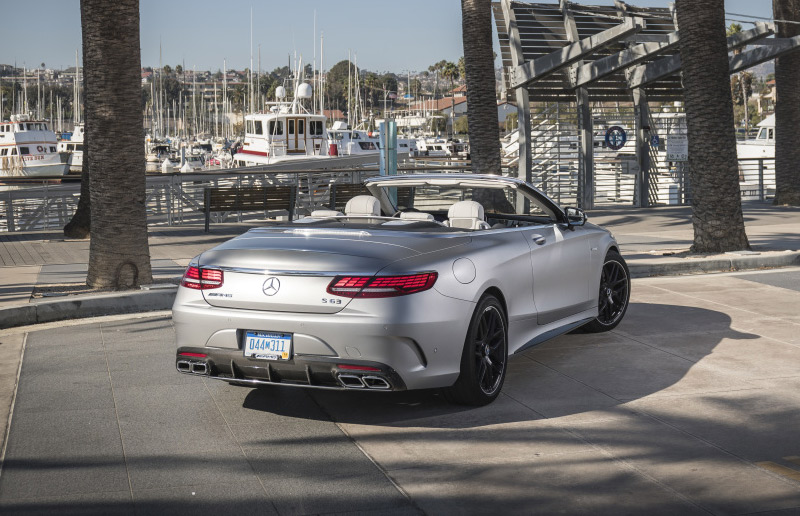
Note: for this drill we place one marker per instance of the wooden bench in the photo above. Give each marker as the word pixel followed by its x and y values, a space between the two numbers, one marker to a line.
pixel 248 198
pixel 343 192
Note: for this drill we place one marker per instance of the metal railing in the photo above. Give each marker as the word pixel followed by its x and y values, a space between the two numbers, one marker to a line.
pixel 28 204
pixel 42 203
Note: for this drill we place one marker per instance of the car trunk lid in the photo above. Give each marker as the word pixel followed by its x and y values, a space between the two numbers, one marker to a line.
pixel 285 270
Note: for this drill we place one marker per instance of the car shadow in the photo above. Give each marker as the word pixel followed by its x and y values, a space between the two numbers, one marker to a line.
pixel 652 350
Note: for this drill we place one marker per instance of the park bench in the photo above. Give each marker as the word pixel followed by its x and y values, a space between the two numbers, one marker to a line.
pixel 343 192
pixel 248 198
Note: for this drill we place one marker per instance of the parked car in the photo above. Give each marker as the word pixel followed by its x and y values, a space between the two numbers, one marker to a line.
pixel 432 281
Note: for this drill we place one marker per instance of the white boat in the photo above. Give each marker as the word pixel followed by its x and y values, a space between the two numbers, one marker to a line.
pixel 348 142
pixel 763 146
pixel 354 142
pixel 441 148
pixel 29 148
pixel 287 132
pixel 156 151
pixel 73 149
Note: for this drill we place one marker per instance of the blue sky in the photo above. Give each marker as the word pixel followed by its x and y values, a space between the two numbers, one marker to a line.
pixel 394 35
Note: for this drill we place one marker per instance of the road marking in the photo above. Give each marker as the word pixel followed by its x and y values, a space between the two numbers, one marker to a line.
pixel 780 470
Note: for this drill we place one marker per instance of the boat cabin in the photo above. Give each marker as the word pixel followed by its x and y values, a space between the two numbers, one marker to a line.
pixel 279 134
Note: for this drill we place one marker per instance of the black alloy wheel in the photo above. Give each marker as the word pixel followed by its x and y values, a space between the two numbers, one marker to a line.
pixel 614 294
pixel 485 356
pixel 489 350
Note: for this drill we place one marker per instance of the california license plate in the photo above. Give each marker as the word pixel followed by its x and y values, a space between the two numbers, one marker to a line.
pixel 267 345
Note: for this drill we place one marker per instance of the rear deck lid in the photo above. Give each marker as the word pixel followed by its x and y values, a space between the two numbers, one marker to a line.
pixel 286 270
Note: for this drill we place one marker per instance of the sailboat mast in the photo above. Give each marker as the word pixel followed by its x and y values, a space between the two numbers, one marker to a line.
pixel 349 66
pixel 314 64
pixel 321 68
pixel 224 96
pixel 24 88
pixel 250 71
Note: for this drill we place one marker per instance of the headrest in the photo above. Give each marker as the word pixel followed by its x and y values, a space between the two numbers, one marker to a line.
pixel 466 210
pixel 415 215
pixel 363 205
pixel 323 214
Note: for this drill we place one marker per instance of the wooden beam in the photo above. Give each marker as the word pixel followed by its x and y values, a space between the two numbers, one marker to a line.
pixel 591 72
pixel 543 66
pixel 667 66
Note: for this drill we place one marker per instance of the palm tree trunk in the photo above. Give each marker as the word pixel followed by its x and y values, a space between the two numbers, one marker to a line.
pixel 119 255
pixel 713 170
pixel 484 131
pixel 80 224
pixel 484 128
pixel 787 108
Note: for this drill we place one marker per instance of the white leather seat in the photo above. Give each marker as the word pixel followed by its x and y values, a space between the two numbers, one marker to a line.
pixel 324 214
pixel 364 206
pixel 416 215
pixel 466 215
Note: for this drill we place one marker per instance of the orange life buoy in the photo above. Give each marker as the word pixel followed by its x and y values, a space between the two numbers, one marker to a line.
pixel 40 148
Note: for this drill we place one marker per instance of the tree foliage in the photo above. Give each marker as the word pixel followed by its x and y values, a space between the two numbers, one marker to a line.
pixel 737 80
pixel 373 87
pixel 461 125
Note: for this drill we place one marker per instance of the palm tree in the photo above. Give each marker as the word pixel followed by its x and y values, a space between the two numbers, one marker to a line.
pixel 119 255
pixel 484 128
pixel 787 108
pixel 81 221
pixel 713 171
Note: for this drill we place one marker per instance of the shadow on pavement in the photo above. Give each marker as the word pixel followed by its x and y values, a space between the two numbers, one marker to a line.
pixel 568 375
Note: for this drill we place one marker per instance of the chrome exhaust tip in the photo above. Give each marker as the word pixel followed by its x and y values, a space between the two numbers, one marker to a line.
pixel 184 366
pixel 350 381
pixel 376 382
pixel 199 368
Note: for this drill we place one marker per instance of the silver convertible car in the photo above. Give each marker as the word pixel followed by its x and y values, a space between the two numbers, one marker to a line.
pixel 432 281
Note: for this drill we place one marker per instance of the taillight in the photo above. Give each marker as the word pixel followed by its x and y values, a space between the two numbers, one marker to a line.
pixel 202 279
pixel 381 286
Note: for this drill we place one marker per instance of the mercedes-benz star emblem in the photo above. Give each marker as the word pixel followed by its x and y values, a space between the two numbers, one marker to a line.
pixel 271 286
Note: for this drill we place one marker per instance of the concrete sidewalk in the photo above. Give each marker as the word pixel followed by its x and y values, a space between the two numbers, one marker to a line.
pixel 653 240
pixel 690 406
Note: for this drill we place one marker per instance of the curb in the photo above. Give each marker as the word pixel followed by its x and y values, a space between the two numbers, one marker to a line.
pixel 721 263
pixel 92 305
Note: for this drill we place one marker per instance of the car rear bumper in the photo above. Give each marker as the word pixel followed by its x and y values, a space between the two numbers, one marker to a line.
pixel 415 342
pixel 300 371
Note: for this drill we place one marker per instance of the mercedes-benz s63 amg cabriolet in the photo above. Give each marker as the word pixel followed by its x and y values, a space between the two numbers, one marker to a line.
pixel 431 281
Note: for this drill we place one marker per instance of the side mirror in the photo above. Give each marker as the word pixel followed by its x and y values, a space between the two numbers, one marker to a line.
pixel 575 216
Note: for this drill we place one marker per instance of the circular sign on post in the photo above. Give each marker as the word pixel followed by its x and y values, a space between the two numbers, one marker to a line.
pixel 616 137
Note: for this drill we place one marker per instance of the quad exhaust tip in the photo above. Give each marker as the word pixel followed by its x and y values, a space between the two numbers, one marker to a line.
pixel 185 366
pixel 352 381
pixel 375 382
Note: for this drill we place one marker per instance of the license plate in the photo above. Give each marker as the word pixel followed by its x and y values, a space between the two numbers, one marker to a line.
pixel 267 345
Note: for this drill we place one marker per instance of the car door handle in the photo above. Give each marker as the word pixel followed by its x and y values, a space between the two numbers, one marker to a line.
pixel 538 239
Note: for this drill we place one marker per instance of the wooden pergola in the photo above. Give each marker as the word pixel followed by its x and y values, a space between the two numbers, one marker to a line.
pixel 570 52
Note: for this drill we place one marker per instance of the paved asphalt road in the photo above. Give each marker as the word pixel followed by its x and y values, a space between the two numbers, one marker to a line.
pixel 691 406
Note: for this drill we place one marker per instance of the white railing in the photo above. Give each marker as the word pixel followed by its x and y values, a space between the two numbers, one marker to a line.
pixel 28 204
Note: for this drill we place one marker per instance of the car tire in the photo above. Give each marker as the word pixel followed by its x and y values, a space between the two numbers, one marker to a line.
pixel 484 358
pixel 613 295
